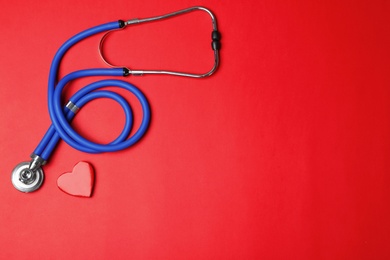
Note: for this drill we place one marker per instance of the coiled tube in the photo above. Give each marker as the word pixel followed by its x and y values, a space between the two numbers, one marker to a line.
pixel 61 116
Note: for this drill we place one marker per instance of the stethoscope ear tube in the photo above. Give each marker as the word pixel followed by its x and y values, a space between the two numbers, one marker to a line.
pixel 215 44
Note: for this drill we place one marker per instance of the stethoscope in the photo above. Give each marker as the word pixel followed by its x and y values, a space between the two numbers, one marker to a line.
pixel 28 176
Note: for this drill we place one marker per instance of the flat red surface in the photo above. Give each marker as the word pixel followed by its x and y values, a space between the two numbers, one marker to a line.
pixel 282 154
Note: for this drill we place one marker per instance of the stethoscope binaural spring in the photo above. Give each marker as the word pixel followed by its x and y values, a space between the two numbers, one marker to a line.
pixel 28 176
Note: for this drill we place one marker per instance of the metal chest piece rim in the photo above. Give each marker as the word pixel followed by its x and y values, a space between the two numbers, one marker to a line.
pixel 26 180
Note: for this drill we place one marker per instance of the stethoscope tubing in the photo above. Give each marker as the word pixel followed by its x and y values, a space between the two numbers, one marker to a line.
pixel 61 116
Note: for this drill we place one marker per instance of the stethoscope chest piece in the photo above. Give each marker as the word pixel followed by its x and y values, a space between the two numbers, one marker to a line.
pixel 26 180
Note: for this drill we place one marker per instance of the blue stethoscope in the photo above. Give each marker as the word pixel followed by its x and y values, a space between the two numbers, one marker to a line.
pixel 28 176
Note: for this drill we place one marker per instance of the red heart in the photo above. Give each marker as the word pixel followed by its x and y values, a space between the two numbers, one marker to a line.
pixel 79 182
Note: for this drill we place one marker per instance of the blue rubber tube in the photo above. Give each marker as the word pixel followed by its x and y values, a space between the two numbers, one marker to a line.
pixel 62 116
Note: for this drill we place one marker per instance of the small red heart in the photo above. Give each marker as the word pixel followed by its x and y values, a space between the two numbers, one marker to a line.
pixel 79 182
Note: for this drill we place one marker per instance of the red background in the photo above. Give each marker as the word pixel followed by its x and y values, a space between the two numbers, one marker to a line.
pixel 282 154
